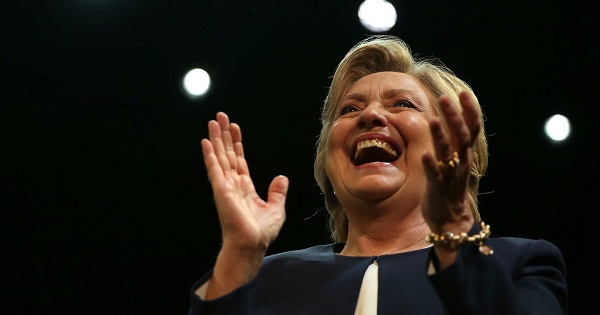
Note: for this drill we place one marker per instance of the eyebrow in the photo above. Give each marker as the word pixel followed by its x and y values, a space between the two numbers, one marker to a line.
pixel 386 94
pixel 353 96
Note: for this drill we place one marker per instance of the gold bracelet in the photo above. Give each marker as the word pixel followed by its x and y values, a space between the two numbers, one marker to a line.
pixel 452 241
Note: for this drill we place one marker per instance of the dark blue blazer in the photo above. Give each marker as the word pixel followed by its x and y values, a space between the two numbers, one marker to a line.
pixel 523 276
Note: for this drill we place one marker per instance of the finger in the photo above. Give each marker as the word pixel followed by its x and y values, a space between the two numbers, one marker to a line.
pixel 459 131
pixel 216 140
pixel 471 115
pixel 441 142
pixel 456 124
pixel 432 171
pixel 236 137
pixel 278 191
pixel 213 167
pixel 225 125
pixel 242 165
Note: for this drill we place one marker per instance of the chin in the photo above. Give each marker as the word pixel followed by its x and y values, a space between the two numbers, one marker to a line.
pixel 376 187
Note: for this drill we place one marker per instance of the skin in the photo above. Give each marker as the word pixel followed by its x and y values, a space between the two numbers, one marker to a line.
pixel 389 205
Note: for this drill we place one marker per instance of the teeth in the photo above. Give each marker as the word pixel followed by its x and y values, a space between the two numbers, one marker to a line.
pixel 374 143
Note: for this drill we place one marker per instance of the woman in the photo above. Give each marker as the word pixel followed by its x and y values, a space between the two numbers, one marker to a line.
pixel 399 159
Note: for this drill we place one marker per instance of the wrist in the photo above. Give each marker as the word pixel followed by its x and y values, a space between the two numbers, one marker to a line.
pixel 452 240
pixel 446 244
pixel 234 268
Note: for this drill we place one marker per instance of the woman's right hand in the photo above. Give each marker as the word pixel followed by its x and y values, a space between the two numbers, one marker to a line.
pixel 248 223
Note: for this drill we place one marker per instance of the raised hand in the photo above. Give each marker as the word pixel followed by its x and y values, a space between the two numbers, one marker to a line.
pixel 246 220
pixel 446 207
pixel 248 223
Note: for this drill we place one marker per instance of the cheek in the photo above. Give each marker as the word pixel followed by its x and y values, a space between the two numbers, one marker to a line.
pixel 337 136
pixel 415 130
pixel 332 170
pixel 335 149
pixel 417 125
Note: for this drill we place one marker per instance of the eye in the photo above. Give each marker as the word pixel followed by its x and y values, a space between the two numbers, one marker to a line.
pixel 404 103
pixel 348 109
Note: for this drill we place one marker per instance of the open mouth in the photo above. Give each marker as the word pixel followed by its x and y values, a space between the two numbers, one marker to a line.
pixel 374 150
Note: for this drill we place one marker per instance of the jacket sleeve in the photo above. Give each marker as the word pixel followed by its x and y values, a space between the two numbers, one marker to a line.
pixel 236 302
pixel 522 276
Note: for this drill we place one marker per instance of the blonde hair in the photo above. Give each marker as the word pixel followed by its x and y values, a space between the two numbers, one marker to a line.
pixel 388 53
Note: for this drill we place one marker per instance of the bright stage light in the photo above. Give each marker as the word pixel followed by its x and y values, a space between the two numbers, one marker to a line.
pixel 196 83
pixel 557 128
pixel 377 15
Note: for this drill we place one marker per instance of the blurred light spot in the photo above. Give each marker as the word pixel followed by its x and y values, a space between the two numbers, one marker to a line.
pixel 557 127
pixel 377 15
pixel 196 83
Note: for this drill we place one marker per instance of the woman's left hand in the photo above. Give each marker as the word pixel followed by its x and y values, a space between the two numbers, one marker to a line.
pixel 446 206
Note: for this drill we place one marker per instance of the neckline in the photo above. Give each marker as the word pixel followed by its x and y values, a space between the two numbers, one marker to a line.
pixel 338 247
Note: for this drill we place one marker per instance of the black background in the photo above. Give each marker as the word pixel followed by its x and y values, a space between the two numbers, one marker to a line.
pixel 105 204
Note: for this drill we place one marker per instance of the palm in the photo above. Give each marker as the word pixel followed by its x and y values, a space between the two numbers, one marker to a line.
pixel 247 221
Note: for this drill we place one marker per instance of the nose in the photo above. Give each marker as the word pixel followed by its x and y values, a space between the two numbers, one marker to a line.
pixel 372 116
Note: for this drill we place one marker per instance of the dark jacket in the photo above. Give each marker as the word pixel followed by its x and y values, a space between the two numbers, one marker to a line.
pixel 522 276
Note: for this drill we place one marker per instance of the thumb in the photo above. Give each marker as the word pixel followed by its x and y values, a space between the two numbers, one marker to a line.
pixel 278 191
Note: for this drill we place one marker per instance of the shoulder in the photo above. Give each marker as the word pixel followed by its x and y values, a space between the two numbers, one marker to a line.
pixel 523 244
pixel 296 262
pixel 314 253
pixel 520 250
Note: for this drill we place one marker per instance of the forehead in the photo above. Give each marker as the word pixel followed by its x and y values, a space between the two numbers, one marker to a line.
pixel 381 83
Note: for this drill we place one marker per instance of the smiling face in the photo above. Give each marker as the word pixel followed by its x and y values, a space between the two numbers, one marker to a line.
pixel 377 139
